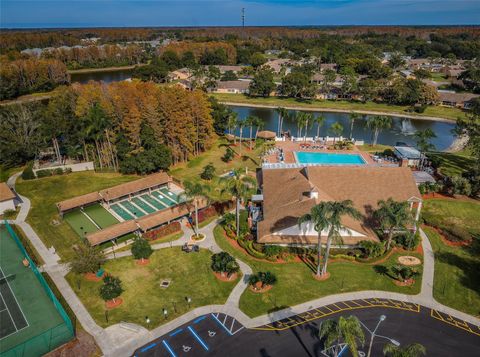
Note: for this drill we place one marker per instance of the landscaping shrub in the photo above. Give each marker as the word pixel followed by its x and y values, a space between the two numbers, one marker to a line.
pixel 163 231
pixel 68 170
pixel 229 155
pixel 372 249
pixel 205 214
pixel 459 185
pixel 9 213
pixel 61 300
pixel 44 173
pixel 208 172
pixel 266 278
pixel 403 273
pixel 27 245
pixel 111 288
pixel 272 251
pixel 259 247
pixel 224 263
pixel 28 173
pixel 141 249
pixel 58 171
pixel 87 259
pixel 448 228
pixel 408 241
pixel 342 256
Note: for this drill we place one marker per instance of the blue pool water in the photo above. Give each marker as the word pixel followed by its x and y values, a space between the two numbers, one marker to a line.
pixel 323 158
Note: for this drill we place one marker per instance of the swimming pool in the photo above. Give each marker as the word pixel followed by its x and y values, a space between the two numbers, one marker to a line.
pixel 323 158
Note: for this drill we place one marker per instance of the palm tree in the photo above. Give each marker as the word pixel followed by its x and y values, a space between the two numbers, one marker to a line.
pixel 250 122
pixel 412 350
pixel 335 211
pixel 298 118
pixel 423 142
pixel 347 329
pixel 307 123
pixel 392 215
pixel 318 217
pixel 192 192
pixel 377 123
pixel 319 121
pixel 232 125
pixel 282 113
pixel 241 124
pixel 337 130
pixel 259 123
pixel 353 117
pixel 239 186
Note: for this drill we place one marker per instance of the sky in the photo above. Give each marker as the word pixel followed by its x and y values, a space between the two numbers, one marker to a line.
pixel 118 13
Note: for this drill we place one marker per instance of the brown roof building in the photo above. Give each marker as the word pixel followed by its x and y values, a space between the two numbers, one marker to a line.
pixel 5 192
pixel 291 193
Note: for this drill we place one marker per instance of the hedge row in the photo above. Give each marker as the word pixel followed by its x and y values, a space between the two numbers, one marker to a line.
pixel 27 245
pixel 53 172
pixel 248 246
pixel 205 214
pixel 163 231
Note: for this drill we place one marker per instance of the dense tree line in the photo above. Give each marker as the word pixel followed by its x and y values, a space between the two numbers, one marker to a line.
pixel 128 126
pixel 206 53
pixel 97 56
pixel 26 76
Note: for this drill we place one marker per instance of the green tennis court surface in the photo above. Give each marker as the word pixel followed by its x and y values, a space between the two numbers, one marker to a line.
pixel 31 324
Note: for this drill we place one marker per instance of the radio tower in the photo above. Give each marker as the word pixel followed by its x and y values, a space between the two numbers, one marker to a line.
pixel 243 17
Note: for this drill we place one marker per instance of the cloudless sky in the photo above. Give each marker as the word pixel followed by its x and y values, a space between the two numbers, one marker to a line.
pixel 91 13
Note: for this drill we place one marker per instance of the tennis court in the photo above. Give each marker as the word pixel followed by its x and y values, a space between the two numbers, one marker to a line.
pixel 32 320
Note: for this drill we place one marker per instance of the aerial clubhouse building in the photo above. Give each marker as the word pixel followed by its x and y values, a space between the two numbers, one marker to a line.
pixel 289 193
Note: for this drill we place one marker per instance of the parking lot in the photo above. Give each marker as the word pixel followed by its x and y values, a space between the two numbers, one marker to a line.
pixel 406 323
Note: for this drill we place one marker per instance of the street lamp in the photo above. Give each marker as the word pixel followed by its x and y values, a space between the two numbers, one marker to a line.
pixel 373 334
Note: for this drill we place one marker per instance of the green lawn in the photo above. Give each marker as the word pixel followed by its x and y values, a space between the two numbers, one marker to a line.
pixel 438 77
pixel 192 169
pixel 374 148
pixel 44 193
pixel 457 274
pixel 432 111
pixel 465 214
pixel 453 163
pixel 345 277
pixel 5 172
pixel 190 276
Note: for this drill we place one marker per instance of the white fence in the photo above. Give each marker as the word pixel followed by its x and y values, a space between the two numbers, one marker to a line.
pixel 82 166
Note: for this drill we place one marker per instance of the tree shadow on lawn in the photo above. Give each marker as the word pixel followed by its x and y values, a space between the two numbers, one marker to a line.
pixel 469 267
pixel 383 270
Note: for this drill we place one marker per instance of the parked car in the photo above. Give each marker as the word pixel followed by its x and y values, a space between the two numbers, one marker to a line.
pixel 187 248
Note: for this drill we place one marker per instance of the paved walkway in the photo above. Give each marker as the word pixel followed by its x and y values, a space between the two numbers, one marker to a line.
pixel 122 339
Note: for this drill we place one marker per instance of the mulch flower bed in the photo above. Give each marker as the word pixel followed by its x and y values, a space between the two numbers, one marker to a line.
pixel 408 282
pixel 93 277
pixel 259 289
pixel 449 242
pixel 224 277
pixel 142 261
pixel 110 304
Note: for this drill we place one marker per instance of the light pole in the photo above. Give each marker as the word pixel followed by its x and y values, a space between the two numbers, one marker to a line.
pixel 373 334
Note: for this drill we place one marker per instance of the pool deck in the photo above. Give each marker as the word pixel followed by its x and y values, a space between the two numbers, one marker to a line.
pixel 289 147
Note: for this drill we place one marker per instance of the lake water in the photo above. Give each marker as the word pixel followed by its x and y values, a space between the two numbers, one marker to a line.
pixel 106 76
pixel 402 129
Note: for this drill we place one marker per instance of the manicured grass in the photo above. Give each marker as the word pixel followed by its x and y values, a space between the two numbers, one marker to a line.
pixel 457 274
pixel 100 216
pixel 190 276
pixel 452 164
pixel 296 285
pixel 431 111
pixel 44 193
pixel 5 172
pixel 374 148
pixel 193 168
pixel 438 77
pixel 465 214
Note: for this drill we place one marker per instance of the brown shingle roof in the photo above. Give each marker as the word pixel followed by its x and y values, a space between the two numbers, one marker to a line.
pixel 240 85
pixel 78 201
pixel 125 189
pixel 456 97
pixel 115 231
pixel 5 192
pixel 286 198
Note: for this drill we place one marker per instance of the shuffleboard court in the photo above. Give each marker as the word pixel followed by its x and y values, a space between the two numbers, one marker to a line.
pixel 163 199
pixel 100 215
pixel 121 212
pixel 80 223
pixel 154 202
pixel 169 194
pixel 131 208
pixel 140 203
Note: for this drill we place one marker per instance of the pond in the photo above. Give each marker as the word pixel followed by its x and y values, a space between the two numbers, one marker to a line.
pixel 105 76
pixel 402 129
